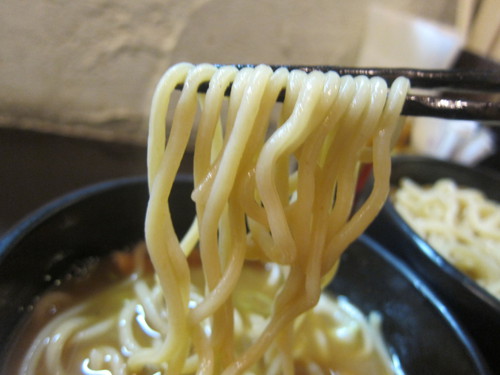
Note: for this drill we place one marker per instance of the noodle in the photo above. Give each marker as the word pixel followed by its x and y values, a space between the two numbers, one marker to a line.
pixel 460 223
pixel 274 187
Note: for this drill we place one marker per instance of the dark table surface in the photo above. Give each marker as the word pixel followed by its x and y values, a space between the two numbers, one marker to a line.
pixel 36 168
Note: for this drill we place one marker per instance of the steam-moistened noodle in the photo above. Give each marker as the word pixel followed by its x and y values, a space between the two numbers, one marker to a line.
pixel 273 187
pixel 459 222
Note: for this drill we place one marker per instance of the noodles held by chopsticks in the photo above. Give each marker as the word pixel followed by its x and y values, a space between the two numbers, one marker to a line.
pixel 300 220
pixel 274 188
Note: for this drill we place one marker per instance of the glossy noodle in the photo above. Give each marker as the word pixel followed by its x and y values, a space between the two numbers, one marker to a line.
pixel 274 186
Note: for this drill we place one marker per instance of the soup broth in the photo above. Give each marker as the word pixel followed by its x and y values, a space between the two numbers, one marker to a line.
pixel 94 322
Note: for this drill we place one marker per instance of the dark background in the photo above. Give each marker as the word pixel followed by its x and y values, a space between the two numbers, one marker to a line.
pixel 36 168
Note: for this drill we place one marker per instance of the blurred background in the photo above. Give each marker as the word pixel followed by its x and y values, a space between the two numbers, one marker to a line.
pixel 76 77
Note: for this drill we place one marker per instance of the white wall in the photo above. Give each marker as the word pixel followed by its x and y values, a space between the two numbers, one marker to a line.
pixel 88 67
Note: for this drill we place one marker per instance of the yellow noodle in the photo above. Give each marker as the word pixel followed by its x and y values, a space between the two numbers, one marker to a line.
pixel 273 184
pixel 306 108
pixel 460 223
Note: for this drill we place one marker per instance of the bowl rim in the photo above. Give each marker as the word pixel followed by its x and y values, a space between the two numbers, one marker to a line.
pixel 428 251
pixel 30 221
pixel 34 218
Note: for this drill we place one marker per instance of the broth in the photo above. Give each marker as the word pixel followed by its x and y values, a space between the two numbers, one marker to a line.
pixel 334 330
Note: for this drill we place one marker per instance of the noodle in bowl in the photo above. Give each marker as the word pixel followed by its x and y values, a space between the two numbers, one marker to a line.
pixel 474 305
pixel 369 276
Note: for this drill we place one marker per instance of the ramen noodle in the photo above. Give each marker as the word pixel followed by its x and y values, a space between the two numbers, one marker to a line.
pixel 274 186
pixel 458 222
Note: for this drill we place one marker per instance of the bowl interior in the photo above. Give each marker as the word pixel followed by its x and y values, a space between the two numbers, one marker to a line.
pixel 473 305
pixel 65 234
pixel 427 171
pixel 418 328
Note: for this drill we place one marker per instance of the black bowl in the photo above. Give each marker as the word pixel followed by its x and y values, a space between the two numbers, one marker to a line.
pixel 472 304
pixel 418 327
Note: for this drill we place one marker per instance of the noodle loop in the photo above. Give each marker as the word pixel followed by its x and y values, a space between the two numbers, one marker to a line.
pixel 274 187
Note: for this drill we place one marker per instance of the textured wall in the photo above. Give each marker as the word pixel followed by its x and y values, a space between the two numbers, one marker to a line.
pixel 88 67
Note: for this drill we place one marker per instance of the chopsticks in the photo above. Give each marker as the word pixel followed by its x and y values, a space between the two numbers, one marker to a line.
pixel 458 79
pixel 468 92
